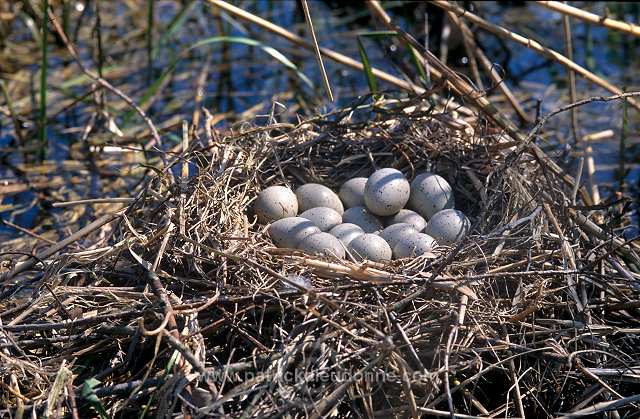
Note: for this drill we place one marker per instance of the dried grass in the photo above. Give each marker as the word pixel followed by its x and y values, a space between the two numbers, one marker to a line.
pixel 183 306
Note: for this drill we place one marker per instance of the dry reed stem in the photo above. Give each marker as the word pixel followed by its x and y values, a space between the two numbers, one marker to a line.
pixel 316 48
pixel 605 21
pixel 489 67
pixel 534 45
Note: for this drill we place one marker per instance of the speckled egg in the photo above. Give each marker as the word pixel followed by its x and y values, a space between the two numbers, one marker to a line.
pixel 397 232
pixel 363 219
pixel 386 192
pixel 312 195
pixel 409 217
pixel 274 203
pixel 346 232
pixel 370 247
pixel 324 218
pixel 414 245
pixel 323 244
pixel 448 226
pixel 352 192
pixel 430 193
pixel 289 232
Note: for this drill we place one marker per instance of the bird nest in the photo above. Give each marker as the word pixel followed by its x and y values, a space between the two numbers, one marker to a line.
pixel 183 304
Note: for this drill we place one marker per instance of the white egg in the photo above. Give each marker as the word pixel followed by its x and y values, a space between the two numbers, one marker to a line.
pixel 448 226
pixel 346 232
pixel 414 245
pixel 352 192
pixel 397 232
pixel 312 195
pixel 289 232
pixel 323 244
pixel 430 193
pixel 409 217
pixel 363 219
pixel 274 203
pixel 370 247
pixel 324 218
pixel 386 192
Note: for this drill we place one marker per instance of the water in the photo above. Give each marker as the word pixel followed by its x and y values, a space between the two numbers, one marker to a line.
pixel 241 77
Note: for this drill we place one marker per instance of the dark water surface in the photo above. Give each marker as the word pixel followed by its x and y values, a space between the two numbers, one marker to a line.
pixel 239 77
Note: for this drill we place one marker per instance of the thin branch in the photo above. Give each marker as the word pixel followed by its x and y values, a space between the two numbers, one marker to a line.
pixel 316 48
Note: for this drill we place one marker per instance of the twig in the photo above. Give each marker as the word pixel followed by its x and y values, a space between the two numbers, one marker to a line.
pixel 316 47
pixel 73 323
pixel 489 67
pixel 27 231
pixel 605 21
pixel 601 407
pixel 93 201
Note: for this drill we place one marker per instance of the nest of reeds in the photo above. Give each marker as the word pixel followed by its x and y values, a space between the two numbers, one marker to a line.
pixel 184 306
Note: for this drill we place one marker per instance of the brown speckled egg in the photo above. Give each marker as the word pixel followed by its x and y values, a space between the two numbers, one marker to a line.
pixel 386 192
pixel 312 195
pixel 324 218
pixel 371 247
pixel 274 203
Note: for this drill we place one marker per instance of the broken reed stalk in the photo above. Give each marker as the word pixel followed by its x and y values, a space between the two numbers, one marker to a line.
pixel 460 85
pixel 531 44
pixel 489 67
pixel 607 22
pixel 568 42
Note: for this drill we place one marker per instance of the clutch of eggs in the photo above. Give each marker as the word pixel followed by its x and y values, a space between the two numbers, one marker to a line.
pixel 377 218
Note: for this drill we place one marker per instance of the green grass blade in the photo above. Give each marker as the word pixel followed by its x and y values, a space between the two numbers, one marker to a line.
pixel 368 72
pixel 89 394
pixel 173 27
pixel 378 34
pixel 419 67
